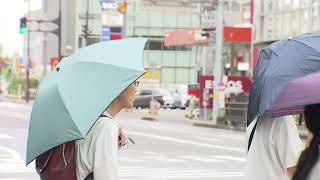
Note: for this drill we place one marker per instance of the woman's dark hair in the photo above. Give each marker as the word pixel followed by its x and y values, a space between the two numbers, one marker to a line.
pixel 310 155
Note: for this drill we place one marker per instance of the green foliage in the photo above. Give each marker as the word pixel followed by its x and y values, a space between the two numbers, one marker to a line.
pixel 16 81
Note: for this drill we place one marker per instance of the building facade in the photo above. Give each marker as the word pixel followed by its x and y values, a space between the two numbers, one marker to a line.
pixel 281 19
pixel 166 66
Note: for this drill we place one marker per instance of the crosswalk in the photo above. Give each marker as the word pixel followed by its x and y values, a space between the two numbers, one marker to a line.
pixel 163 151
pixel 177 167
pixel 140 168
pixel 171 173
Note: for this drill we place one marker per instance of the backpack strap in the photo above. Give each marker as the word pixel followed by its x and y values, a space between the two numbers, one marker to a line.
pixel 102 115
pixel 89 177
pixel 251 135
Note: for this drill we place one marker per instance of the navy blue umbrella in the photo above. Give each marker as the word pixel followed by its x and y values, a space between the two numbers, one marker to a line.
pixel 278 64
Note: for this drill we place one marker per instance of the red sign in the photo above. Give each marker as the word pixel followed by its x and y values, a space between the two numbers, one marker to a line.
pixel 237 34
pixel 2 62
pixel 116 36
pixel 206 93
pixel 235 84
pixel 53 62
pixel 185 37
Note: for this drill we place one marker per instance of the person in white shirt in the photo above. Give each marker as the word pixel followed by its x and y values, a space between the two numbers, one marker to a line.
pixel 98 152
pixel 308 167
pixel 274 151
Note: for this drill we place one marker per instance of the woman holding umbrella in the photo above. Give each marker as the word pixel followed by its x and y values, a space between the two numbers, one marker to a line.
pixel 74 109
pixel 97 153
pixel 309 163
pixel 302 96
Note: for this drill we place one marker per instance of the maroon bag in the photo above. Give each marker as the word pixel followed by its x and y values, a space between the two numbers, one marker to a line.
pixel 59 163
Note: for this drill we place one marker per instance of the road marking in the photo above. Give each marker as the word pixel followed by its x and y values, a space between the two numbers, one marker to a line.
pixel 14 105
pixel 16 167
pixel 237 137
pixel 165 173
pixel 207 139
pixel 186 142
pixel 13 163
pixel 15 115
pixel 14 154
pixel 6 136
pixel 200 159
pixel 230 158
pixel 126 159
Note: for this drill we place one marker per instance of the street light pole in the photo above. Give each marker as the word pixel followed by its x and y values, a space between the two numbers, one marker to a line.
pixel 27 82
pixel 86 29
pixel 217 71
pixel 252 36
pixel 59 31
pixel 44 54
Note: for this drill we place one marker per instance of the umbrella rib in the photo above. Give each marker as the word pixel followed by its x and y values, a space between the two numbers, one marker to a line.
pixel 108 64
pixel 306 45
pixel 64 103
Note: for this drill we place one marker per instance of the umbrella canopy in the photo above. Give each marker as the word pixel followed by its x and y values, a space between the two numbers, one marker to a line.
pixel 296 95
pixel 278 64
pixel 70 98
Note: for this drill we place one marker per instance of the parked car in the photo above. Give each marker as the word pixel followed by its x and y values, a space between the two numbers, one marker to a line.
pixel 144 97
pixel 180 100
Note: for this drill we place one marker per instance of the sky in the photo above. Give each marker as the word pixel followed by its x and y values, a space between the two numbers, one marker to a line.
pixel 10 13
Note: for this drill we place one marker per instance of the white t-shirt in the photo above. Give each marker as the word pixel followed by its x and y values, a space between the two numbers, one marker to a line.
pixel 98 152
pixel 276 146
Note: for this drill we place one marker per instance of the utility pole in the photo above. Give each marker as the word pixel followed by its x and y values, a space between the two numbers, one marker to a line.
pixel 27 81
pixel 252 36
pixel 218 69
pixel 44 54
pixel 59 31
pixel 85 27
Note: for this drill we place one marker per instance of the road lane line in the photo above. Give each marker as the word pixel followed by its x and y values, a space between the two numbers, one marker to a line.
pixel 147 135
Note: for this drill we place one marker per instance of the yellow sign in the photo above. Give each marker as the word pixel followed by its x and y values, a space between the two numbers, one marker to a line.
pixel 216 95
pixel 154 75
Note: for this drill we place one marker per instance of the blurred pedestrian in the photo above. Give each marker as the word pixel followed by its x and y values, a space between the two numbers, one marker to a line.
pixel 275 149
pixel 308 167
pixel 97 154
pixel 191 107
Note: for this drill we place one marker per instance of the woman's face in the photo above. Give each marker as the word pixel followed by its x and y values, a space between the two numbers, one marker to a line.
pixel 127 97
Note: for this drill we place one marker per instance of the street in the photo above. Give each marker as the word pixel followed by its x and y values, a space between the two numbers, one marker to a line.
pixel 163 150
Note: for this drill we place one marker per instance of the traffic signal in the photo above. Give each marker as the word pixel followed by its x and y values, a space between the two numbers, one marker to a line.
pixel 23 25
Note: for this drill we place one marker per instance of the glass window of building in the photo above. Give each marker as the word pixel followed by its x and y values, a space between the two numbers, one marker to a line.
pixel 295 4
pixel 182 76
pixel 315 15
pixel 235 6
pixel 226 6
pixel 168 75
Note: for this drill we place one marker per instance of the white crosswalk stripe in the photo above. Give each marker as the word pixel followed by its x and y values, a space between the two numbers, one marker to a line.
pixel 166 173
pixel 15 167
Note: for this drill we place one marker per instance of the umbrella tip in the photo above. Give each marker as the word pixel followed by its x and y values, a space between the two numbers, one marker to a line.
pixel 58 69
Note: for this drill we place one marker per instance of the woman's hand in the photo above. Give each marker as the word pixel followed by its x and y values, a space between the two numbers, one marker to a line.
pixel 123 139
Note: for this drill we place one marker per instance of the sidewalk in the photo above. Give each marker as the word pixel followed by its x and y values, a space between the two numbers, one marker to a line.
pixel 13 100
pixel 179 115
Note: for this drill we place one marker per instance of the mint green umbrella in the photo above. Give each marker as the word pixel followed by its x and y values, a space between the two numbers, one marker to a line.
pixel 70 98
